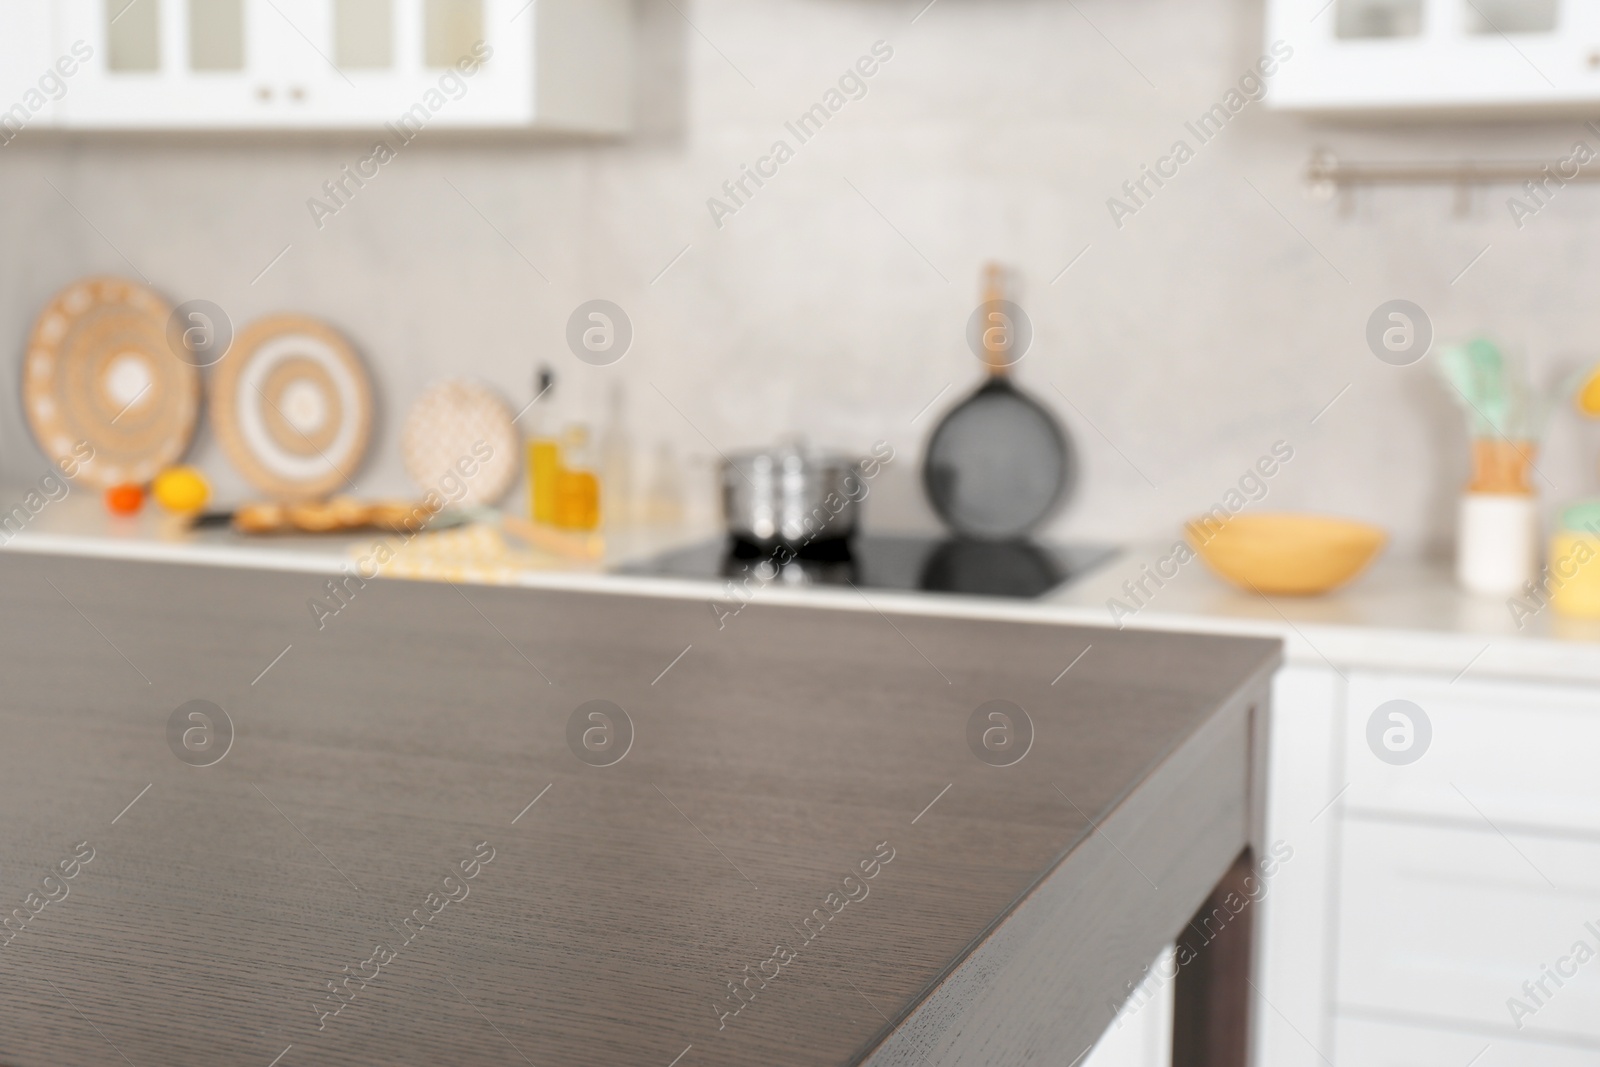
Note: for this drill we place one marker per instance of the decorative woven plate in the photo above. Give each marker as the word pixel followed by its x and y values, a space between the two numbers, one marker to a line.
pixel 292 407
pixel 98 373
pixel 459 441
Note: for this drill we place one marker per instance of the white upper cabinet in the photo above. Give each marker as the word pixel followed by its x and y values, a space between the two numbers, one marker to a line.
pixel 342 64
pixel 1436 55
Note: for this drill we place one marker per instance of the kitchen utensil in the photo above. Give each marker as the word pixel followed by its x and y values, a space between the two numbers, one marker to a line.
pixel 998 464
pixel 1496 392
pixel 579 546
pixel 99 379
pixel 1584 515
pixel 1497 526
pixel 293 407
pixel 211 520
pixel 1500 465
pixel 1497 521
pixel 478 553
pixel 1294 555
pixel 455 427
pixel 790 495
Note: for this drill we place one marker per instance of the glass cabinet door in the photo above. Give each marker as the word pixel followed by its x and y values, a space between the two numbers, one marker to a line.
pixel 399 63
pixel 1437 55
pixel 415 64
pixel 1356 20
pixel 1511 16
pixel 165 63
pixel 300 63
pixel 364 65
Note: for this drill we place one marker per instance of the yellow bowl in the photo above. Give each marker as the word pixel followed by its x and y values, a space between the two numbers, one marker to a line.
pixel 1292 555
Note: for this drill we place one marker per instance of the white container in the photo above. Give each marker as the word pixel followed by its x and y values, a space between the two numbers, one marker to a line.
pixel 1497 547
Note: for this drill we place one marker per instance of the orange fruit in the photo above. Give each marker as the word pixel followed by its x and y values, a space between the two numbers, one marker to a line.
pixel 125 499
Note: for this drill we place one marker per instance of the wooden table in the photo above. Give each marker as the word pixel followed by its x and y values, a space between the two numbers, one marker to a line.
pixel 799 812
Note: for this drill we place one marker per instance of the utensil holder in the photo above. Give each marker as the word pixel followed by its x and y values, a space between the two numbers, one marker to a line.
pixel 1500 465
pixel 1497 547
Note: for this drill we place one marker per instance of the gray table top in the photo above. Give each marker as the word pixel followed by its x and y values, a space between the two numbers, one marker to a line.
pixel 790 771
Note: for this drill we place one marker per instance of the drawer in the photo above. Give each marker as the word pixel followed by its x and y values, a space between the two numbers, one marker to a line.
pixel 1520 753
pixel 1363 1043
pixel 1447 925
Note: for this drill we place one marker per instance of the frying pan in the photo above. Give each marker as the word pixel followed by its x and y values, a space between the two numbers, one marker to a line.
pixel 998 463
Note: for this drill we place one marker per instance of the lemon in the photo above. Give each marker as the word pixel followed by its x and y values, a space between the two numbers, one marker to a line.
pixel 182 490
pixel 1589 396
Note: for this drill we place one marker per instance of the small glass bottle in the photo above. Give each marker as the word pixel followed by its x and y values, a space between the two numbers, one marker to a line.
pixel 544 452
pixel 617 506
pixel 577 485
pixel 665 505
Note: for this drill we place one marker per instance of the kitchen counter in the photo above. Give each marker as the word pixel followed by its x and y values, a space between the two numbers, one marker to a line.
pixel 1404 614
pixel 401 835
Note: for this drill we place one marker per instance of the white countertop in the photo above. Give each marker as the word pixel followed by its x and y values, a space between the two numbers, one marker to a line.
pixel 1401 615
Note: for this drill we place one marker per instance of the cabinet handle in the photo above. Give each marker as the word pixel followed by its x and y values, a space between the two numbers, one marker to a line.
pixel 264 93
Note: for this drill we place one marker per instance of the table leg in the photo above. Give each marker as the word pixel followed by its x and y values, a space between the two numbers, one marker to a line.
pixel 1211 1017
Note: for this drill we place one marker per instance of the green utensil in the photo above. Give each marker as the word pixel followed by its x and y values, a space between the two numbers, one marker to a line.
pixel 1492 397
pixel 1462 373
pixel 1582 517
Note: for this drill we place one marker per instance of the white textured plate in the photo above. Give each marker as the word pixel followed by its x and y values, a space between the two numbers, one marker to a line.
pixel 459 441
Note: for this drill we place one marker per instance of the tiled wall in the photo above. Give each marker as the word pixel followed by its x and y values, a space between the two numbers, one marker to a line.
pixel 1220 317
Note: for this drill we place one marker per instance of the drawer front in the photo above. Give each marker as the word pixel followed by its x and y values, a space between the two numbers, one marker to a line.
pixel 1448 925
pixel 1515 753
pixel 1363 1043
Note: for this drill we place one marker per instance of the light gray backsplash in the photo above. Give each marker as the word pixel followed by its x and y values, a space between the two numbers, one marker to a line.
pixel 1220 318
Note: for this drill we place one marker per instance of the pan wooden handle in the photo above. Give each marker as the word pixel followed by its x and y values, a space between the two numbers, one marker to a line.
pixel 996 329
pixel 570 544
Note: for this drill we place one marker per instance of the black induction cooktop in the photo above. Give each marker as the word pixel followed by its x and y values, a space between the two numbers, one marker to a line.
pixel 1022 569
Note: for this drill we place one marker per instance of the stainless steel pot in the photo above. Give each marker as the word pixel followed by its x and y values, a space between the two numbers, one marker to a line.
pixel 791 496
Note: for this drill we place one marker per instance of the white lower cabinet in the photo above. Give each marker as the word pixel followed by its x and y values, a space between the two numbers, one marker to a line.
pixel 1458 927
pixel 1441 910
pixel 1518 753
pixel 1293 1024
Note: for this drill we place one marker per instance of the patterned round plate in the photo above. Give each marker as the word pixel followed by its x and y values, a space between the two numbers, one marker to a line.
pixel 98 373
pixel 460 442
pixel 292 407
